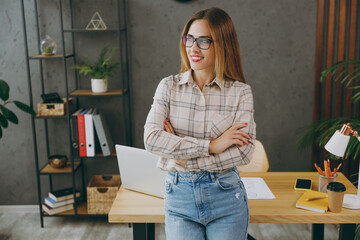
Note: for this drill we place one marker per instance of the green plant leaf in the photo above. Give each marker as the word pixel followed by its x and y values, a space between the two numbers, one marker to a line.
pixel 9 115
pixel 321 132
pixel 24 107
pixel 4 90
pixel 355 76
pixel 101 68
pixel 343 64
pixel 3 121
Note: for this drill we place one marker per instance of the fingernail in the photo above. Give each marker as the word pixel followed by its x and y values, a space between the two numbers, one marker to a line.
pixel 246 124
pixel 248 142
pixel 250 137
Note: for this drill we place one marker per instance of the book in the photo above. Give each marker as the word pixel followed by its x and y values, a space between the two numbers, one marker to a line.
pixel 63 194
pixel 103 134
pixel 89 133
pixel 81 133
pixel 319 205
pixel 54 204
pixel 52 211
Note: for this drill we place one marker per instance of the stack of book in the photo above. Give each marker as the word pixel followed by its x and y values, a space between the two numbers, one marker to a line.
pixel 88 130
pixel 59 201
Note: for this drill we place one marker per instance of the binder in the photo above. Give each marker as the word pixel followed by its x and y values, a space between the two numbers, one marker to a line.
pixel 103 134
pixel 74 132
pixel 89 133
pixel 81 133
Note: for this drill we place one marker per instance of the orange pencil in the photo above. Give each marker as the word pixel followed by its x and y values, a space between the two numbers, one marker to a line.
pixel 319 169
pixel 329 169
pixel 337 169
pixel 326 169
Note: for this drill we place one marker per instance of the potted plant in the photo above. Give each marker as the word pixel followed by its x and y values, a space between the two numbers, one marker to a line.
pixel 99 71
pixel 321 131
pixel 6 114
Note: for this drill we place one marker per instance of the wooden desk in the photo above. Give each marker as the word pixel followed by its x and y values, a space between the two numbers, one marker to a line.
pixel 144 210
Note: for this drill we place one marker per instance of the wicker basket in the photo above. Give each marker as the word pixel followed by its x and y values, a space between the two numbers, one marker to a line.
pixel 101 192
pixel 54 109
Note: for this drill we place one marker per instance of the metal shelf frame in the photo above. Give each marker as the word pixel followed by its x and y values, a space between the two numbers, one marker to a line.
pixel 123 92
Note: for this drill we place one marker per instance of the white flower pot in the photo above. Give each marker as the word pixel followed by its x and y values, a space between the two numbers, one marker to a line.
pixel 98 85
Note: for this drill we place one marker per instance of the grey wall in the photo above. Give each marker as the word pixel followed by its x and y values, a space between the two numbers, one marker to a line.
pixel 277 44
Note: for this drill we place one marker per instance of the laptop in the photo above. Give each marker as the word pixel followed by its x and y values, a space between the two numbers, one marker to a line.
pixel 138 171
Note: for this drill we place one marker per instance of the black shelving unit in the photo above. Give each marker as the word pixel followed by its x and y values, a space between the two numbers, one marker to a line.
pixel 75 163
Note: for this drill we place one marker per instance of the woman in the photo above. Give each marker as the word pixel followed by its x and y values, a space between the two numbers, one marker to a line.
pixel 201 123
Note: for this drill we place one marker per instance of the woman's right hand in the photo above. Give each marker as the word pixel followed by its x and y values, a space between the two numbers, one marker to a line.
pixel 232 136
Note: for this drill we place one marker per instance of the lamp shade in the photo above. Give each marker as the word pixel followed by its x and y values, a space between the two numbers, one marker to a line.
pixel 337 144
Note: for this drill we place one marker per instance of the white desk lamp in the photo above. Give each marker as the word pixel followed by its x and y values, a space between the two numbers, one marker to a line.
pixel 337 146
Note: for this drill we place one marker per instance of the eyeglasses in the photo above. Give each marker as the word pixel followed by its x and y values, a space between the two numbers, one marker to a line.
pixel 202 42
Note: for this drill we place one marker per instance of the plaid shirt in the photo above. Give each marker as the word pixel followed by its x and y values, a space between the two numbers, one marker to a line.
pixel 198 117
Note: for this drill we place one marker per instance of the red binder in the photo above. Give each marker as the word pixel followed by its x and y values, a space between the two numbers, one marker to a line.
pixel 81 133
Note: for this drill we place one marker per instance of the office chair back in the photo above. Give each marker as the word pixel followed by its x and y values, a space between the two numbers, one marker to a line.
pixel 259 161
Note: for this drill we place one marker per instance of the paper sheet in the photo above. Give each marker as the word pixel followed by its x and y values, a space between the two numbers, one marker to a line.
pixel 256 188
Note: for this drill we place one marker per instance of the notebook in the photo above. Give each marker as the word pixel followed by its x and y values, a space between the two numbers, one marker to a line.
pixel 138 171
pixel 319 205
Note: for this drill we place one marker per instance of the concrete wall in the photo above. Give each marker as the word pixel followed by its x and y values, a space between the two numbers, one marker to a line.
pixel 277 44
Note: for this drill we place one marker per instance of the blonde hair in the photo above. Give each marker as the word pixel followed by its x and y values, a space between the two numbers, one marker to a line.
pixel 227 54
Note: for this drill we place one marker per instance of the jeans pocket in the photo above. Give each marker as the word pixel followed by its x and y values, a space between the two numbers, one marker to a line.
pixel 168 186
pixel 228 181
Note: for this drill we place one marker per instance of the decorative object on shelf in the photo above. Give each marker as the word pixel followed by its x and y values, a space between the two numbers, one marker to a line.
pixel 337 146
pixel 48 46
pixel 96 23
pixel 99 70
pixel 5 113
pixel 101 192
pixel 57 161
pixel 54 109
pixel 51 98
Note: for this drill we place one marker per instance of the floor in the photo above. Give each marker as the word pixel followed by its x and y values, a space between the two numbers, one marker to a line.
pixel 21 225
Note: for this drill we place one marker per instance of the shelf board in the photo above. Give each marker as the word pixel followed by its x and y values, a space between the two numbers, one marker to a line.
pixel 47 169
pixel 55 56
pixel 44 117
pixel 83 30
pixel 88 92
pixel 100 155
pixel 113 154
pixel 81 210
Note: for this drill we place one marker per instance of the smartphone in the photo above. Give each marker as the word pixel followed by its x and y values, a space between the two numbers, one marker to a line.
pixel 303 184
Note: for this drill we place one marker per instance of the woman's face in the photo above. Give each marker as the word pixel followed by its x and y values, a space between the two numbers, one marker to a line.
pixel 201 59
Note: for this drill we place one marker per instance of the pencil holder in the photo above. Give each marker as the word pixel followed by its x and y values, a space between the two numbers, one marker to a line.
pixel 324 181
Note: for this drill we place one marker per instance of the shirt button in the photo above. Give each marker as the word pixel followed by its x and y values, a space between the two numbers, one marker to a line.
pixel 195 176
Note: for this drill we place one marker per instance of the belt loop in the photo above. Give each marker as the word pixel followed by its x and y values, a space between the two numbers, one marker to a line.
pixel 212 175
pixel 176 178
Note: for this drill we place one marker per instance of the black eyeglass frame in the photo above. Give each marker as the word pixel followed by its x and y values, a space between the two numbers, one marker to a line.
pixel 184 39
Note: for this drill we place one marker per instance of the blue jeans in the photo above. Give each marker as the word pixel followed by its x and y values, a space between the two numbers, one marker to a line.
pixel 205 205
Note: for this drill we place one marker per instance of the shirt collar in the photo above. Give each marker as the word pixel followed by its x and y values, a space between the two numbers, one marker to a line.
pixel 187 78
pixel 218 82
